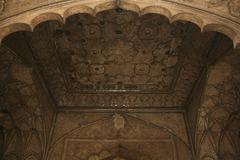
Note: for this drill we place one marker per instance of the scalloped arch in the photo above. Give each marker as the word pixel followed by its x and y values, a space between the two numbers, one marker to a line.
pixel 173 15
pixel 190 18
pixel 46 17
pixel 130 7
pixel 224 30
pixel 105 6
pixel 157 10
pixel 77 10
pixel 16 27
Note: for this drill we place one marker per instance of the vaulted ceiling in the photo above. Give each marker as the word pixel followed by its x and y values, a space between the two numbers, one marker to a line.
pixel 114 61
pixel 118 59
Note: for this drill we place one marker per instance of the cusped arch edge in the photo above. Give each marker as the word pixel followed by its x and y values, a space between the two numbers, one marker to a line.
pixel 173 16
pixel 44 17
pixel 15 27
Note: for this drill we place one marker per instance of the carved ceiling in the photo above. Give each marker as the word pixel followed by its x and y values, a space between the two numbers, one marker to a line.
pixel 122 84
pixel 118 59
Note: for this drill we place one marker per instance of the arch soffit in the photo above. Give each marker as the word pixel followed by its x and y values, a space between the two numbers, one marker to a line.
pixel 206 22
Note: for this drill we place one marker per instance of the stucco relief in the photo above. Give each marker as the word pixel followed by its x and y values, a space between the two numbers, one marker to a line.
pixel 17 6
pixel 2 5
pixel 218 125
pixel 23 119
pixel 222 12
pixel 119 121
pixel 234 8
pixel 117 52
pixel 230 6
pixel 96 137
pixel 73 53
pixel 24 122
pixel 110 54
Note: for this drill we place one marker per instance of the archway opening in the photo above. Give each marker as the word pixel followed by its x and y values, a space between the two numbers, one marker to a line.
pixel 114 62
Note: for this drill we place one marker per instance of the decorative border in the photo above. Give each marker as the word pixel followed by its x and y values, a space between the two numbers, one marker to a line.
pixel 205 20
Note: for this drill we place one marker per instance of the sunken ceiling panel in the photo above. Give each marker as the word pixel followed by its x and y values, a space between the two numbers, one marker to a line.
pixel 118 59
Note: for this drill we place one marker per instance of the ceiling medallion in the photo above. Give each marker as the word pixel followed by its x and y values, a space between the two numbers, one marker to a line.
pixel 119 121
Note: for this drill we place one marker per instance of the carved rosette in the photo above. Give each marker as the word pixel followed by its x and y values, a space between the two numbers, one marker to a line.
pixel 234 8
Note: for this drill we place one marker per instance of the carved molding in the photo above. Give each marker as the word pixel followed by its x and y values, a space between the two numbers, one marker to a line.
pixel 197 12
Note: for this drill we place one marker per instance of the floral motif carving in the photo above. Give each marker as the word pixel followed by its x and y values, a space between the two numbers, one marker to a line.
pixel 234 7
pixel 89 61
pixel 109 57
